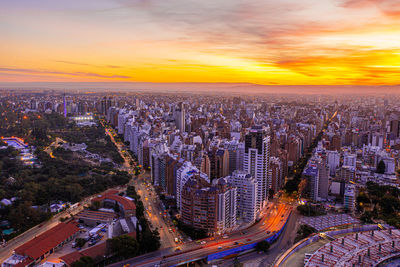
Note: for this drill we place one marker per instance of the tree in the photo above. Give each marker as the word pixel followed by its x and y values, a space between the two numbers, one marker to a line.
pixel 80 242
pixel 263 246
pixel 271 193
pixel 95 205
pixel 381 167
pixel 149 240
pixel 124 246
pixel 116 207
pixel 303 232
pixel 366 217
pixel 139 209
pixel 84 261
pixel 237 263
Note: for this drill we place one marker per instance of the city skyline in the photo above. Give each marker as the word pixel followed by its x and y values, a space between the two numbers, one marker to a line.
pixel 334 42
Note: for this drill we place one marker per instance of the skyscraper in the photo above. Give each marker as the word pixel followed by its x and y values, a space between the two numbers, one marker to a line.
pixel 179 116
pixel 65 106
pixel 256 161
pixel 246 195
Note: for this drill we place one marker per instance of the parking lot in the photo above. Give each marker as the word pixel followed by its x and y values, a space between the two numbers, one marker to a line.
pixel 83 234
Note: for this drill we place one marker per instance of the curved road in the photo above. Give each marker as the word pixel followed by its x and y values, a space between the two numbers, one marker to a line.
pixel 274 220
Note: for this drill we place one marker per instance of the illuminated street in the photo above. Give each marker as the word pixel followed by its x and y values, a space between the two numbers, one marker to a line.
pixel 149 198
pixel 275 218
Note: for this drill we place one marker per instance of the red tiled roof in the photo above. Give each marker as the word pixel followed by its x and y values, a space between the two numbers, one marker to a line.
pixel 48 240
pixel 93 252
pixel 85 214
pixel 126 203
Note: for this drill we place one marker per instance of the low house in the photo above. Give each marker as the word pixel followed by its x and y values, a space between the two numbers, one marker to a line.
pixel 39 248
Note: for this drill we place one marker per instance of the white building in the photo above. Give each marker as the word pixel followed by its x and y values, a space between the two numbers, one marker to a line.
pixel 333 158
pixel 246 195
pixel 183 174
pixel 350 160
pixel 179 116
pixel 349 198
pixel 256 161
pixel 227 205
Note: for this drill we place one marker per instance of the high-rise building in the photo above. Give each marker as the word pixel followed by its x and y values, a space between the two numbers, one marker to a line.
pixel 333 158
pixel 317 175
pixel 179 116
pixel 246 195
pixel 183 174
pixel 276 174
pixel 349 160
pixel 256 161
pixel 236 155
pixel 349 198
pixel 208 207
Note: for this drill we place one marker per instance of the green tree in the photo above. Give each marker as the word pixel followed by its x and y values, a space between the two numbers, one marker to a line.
pixel 263 246
pixel 84 261
pixel 80 242
pixel 366 217
pixel 149 240
pixel 303 232
pixel 381 167
pixel 124 246
pixel 95 205
pixel 116 207
pixel 237 263
pixel 139 209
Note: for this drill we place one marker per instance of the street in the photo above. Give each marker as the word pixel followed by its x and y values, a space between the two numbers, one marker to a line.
pixel 274 220
pixel 153 211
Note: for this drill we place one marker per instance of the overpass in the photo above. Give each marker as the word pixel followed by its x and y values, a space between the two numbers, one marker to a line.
pixel 269 229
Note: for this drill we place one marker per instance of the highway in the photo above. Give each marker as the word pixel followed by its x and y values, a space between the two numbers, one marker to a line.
pixel 273 221
pixel 171 253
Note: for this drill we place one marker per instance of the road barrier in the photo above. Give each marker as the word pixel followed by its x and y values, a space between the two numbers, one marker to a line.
pixel 236 250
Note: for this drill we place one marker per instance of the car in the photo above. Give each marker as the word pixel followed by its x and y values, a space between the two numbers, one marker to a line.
pixel 225 237
pixel 219 247
pixel 203 242
pixel 236 243
pixel 178 249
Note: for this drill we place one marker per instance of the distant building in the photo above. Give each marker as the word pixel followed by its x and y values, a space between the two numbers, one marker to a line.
pixel 179 115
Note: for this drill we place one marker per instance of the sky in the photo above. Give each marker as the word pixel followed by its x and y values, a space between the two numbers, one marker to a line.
pixel 268 42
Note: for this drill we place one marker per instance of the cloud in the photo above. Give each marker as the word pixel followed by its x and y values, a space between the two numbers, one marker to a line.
pixel 388 7
pixel 86 64
pixel 78 73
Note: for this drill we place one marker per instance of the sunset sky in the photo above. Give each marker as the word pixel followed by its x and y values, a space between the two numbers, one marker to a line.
pixel 288 42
